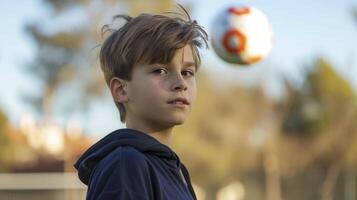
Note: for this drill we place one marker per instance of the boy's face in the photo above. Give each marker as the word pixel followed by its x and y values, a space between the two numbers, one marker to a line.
pixel 152 87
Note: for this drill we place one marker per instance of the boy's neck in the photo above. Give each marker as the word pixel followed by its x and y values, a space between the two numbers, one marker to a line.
pixel 162 135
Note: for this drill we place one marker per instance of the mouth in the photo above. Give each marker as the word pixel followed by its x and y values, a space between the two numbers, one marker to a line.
pixel 179 102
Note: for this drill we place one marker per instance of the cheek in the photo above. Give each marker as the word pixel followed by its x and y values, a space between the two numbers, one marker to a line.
pixel 193 90
pixel 146 90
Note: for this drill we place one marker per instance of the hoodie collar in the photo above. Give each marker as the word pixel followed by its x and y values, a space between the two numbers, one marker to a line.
pixel 122 137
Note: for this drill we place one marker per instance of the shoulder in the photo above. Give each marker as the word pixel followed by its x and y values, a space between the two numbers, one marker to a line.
pixel 121 164
pixel 128 154
pixel 125 157
pixel 123 174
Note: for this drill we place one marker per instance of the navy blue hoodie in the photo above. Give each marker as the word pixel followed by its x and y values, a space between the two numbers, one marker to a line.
pixel 130 165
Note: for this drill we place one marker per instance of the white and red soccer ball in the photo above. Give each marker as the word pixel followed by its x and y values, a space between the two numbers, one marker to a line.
pixel 241 35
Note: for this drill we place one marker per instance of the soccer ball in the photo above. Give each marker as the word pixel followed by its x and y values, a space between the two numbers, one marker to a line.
pixel 241 35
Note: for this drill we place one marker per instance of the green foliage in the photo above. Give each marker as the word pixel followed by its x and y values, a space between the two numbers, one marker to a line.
pixel 4 140
pixel 321 117
pixel 3 131
pixel 64 61
pixel 354 13
pixel 61 5
pixel 325 95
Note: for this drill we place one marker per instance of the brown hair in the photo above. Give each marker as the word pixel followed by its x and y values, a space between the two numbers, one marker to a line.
pixel 148 39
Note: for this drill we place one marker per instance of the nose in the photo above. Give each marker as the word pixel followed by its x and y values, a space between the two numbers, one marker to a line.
pixel 179 83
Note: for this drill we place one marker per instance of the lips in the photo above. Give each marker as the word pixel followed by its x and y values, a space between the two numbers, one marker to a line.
pixel 179 100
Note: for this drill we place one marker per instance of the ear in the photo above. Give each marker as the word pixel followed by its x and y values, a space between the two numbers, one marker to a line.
pixel 118 89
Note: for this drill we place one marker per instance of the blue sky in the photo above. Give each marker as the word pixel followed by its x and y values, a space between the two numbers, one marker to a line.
pixel 16 49
pixel 302 30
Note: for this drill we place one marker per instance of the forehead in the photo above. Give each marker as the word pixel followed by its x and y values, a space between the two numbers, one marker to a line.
pixel 183 55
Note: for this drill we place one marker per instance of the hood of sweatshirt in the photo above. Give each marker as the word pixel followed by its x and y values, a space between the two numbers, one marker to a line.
pixel 122 137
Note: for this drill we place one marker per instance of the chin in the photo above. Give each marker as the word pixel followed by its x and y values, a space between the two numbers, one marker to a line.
pixel 177 121
pixel 172 119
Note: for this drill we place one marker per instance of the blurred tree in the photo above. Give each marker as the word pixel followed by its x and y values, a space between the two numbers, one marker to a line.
pixel 4 141
pixel 354 13
pixel 322 114
pixel 69 75
pixel 234 131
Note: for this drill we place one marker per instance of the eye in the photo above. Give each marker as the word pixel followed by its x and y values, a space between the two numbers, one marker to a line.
pixel 188 73
pixel 160 71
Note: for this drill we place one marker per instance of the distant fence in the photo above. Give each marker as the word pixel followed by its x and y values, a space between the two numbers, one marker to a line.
pixel 41 186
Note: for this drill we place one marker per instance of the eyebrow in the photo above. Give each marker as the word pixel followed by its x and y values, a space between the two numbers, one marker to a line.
pixel 188 64
pixel 185 64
